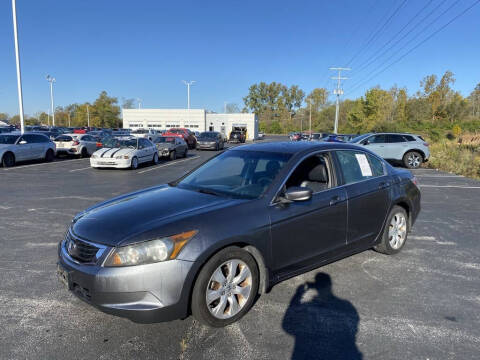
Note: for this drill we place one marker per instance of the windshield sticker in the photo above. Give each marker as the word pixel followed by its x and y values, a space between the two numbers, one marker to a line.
pixel 364 165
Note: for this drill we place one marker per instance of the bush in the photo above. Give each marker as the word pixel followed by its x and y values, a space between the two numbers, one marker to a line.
pixel 452 157
pixel 456 130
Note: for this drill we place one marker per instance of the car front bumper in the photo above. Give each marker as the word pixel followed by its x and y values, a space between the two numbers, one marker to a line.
pixel 208 146
pixel 110 163
pixel 144 293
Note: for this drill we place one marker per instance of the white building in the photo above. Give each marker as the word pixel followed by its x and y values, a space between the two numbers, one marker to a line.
pixel 193 119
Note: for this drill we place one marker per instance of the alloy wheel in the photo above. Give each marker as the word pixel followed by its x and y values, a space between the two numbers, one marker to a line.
pixel 229 289
pixel 397 231
pixel 414 160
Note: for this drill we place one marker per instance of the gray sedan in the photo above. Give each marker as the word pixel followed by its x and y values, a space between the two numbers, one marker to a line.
pixel 171 146
pixel 247 219
pixel 29 146
pixel 210 140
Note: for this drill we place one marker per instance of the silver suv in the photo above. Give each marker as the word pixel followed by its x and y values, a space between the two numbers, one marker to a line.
pixel 411 150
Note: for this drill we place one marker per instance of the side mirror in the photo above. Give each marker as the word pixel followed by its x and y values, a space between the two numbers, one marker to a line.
pixel 365 142
pixel 23 142
pixel 296 193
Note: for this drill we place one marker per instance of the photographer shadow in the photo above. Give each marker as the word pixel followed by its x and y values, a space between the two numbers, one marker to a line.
pixel 323 325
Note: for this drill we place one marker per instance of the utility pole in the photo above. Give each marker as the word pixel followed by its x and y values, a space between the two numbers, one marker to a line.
pixel 224 107
pixel 338 91
pixel 188 83
pixel 51 80
pixel 88 117
pixel 19 74
pixel 139 103
pixel 310 120
pixel 69 119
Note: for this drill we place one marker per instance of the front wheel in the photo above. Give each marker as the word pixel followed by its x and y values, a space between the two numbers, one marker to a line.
pixel 49 155
pixel 395 233
pixel 412 159
pixel 155 159
pixel 8 160
pixel 225 288
pixel 134 164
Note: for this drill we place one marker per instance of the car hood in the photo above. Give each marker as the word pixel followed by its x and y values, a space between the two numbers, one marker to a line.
pixel 112 152
pixel 124 219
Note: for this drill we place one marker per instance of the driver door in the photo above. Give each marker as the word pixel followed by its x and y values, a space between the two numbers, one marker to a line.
pixel 304 232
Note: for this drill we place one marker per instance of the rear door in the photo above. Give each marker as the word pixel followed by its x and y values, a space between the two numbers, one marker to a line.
pixel 90 143
pixel 396 146
pixel 366 183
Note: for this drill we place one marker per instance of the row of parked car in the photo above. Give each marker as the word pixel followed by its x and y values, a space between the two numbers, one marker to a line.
pixel 117 148
pixel 409 149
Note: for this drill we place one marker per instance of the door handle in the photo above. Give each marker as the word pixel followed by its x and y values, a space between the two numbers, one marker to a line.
pixel 335 200
pixel 383 185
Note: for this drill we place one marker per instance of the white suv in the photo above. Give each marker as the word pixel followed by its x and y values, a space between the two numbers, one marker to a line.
pixel 82 145
pixel 410 149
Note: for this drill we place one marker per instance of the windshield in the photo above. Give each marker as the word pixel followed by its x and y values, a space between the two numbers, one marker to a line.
pixel 120 143
pixel 212 135
pixel 359 138
pixel 164 139
pixel 238 173
pixel 8 139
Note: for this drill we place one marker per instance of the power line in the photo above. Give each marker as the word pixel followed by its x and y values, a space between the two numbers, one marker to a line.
pixel 376 56
pixel 419 44
pixel 414 38
pixel 369 42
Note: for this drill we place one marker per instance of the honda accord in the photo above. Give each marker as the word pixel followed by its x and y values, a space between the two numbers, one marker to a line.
pixel 207 244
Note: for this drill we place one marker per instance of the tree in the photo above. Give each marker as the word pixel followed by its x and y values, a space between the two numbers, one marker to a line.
pixel 105 112
pixel 318 98
pixel 128 103
pixel 232 108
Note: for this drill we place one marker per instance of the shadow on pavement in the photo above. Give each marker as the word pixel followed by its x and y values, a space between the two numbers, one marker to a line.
pixel 323 325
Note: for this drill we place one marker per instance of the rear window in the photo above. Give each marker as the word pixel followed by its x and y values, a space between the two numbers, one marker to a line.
pixel 63 138
pixel 409 137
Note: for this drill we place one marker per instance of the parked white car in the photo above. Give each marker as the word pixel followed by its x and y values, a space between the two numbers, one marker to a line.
pixel 15 147
pixel 82 145
pixel 123 153
pixel 149 134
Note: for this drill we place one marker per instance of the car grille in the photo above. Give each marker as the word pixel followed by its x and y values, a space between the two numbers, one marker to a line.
pixel 79 250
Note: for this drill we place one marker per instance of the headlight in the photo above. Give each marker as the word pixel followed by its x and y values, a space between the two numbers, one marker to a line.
pixel 94 156
pixel 122 157
pixel 150 251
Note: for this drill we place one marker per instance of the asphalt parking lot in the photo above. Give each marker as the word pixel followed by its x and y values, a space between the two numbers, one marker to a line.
pixel 423 303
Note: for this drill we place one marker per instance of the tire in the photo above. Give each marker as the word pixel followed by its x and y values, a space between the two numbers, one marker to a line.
pixel 173 155
pixel 155 159
pixel 217 147
pixel 412 159
pixel 393 237
pixel 134 164
pixel 49 156
pixel 8 159
pixel 205 285
pixel 185 153
pixel 84 153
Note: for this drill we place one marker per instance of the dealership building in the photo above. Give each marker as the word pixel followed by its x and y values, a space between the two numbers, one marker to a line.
pixel 193 119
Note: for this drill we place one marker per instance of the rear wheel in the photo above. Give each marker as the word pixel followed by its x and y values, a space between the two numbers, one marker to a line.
pixel 49 155
pixel 225 288
pixel 185 153
pixel 395 232
pixel 84 153
pixel 134 164
pixel 8 159
pixel 173 155
pixel 412 159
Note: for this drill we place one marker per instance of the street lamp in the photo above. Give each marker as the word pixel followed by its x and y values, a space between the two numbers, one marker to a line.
pixel 51 80
pixel 17 59
pixel 188 83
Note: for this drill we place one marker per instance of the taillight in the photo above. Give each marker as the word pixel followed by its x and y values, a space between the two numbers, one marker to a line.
pixel 414 180
pixel 99 144
pixel 76 142
pixel 425 144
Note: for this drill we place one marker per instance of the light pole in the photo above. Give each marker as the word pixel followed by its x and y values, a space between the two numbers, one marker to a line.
pixel 88 117
pixel 188 83
pixel 139 103
pixel 51 80
pixel 17 60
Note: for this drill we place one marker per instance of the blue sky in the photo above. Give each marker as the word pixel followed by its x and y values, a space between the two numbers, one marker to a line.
pixel 143 49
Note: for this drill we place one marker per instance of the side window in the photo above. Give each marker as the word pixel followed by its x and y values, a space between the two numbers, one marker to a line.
pixel 28 138
pixel 354 165
pixel 313 172
pixel 377 139
pixel 393 138
pixel 377 165
pixel 409 137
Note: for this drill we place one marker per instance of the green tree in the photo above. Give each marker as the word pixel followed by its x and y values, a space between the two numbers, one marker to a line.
pixel 105 111
pixel 318 98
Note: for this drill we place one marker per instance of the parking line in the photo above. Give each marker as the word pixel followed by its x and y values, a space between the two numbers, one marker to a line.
pixel 31 165
pixel 81 169
pixel 450 186
pixel 168 164
pixel 440 176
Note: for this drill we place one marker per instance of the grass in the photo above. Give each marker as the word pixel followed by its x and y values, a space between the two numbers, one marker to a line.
pixel 460 156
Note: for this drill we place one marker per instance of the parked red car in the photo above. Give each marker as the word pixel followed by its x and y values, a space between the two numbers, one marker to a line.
pixel 186 134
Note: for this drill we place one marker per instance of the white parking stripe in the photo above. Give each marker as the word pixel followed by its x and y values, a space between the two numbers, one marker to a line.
pixel 450 186
pixel 81 169
pixel 49 163
pixel 168 164
pixel 440 176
